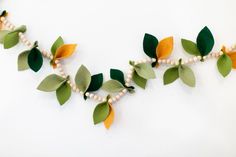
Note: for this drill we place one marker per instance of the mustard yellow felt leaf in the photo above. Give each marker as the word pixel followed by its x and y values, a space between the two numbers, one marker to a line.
pixel 110 118
pixel 232 56
pixel 65 51
pixel 165 48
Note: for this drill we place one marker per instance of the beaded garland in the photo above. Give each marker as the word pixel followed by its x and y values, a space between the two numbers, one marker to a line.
pixel 140 71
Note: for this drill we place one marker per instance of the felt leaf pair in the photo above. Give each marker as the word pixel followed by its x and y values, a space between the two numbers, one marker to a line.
pixel 117 83
pixel 142 73
pixel 226 62
pixel 59 84
pixel 30 59
pixel 104 112
pixel 87 83
pixel 181 71
pixel 157 50
pixel 60 50
pixel 11 38
pixel 203 46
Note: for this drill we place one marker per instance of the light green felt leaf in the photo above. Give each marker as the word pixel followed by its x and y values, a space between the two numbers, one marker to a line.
pixel 113 86
pixel 171 75
pixel 187 75
pixel 21 29
pixel 51 83
pixel 23 61
pixel 3 33
pixel 224 65
pixel 190 47
pixel 145 71
pixel 63 93
pixel 101 112
pixel 58 43
pixel 83 78
pixel 141 82
pixel 10 40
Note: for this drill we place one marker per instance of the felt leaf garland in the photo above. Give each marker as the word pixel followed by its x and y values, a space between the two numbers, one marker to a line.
pixel 224 65
pixel 141 82
pixel 190 47
pixel 101 112
pixel 145 71
pixel 23 61
pixel 171 75
pixel 63 93
pixel 113 86
pixel 149 45
pixel 83 78
pixel 164 48
pixel 187 75
pixel 110 118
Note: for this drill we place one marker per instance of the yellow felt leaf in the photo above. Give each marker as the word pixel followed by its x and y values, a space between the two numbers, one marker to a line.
pixel 65 51
pixel 232 55
pixel 165 48
pixel 110 118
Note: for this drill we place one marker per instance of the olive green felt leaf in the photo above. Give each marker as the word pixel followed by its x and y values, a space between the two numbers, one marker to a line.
pixel 171 75
pixel 23 61
pixel 10 40
pixel 113 86
pixel 205 41
pixel 51 83
pixel 149 45
pixel 96 82
pixel 3 33
pixel 187 75
pixel 145 71
pixel 59 42
pixel 224 65
pixel 83 78
pixel 63 93
pixel 118 75
pixel 190 47
pixel 141 82
pixel 101 112
pixel 35 59
pixel 21 29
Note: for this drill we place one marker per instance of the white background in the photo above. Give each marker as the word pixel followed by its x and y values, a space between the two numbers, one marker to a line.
pixel 165 121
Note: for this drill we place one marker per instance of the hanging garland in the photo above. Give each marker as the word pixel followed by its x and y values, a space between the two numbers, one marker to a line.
pixel 140 71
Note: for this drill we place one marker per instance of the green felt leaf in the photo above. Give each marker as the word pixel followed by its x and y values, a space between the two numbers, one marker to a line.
pixel 83 78
pixel 51 83
pixel 63 93
pixel 187 75
pixel 149 45
pixel 205 41
pixel 141 82
pixel 224 65
pixel 101 112
pixel 113 86
pixel 10 40
pixel 171 75
pixel 96 82
pixel 118 75
pixel 190 47
pixel 35 59
pixel 21 29
pixel 3 33
pixel 23 61
pixel 58 43
pixel 3 13
pixel 145 71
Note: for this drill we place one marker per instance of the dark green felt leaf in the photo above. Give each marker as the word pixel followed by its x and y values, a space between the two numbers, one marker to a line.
pixel 224 65
pixel 96 82
pixel 35 59
pixel 149 45
pixel 205 41
pixel 63 93
pixel 118 75
pixel 171 75
pixel 190 47
pixel 101 112
pixel 23 61
pixel 141 82
pixel 59 42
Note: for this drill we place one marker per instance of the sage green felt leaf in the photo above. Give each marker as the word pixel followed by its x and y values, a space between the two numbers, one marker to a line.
pixel 96 82
pixel 190 47
pixel 187 75
pixel 63 93
pixel 51 83
pixel 58 43
pixel 141 82
pixel 224 65
pixel 205 41
pixel 113 86
pixel 145 71
pixel 118 75
pixel 171 75
pixel 23 61
pixel 10 40
pixel 21 29
pixel 83 78
pixel 149 45
pixel 101 112
pixel 35 59
pixel 3 33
